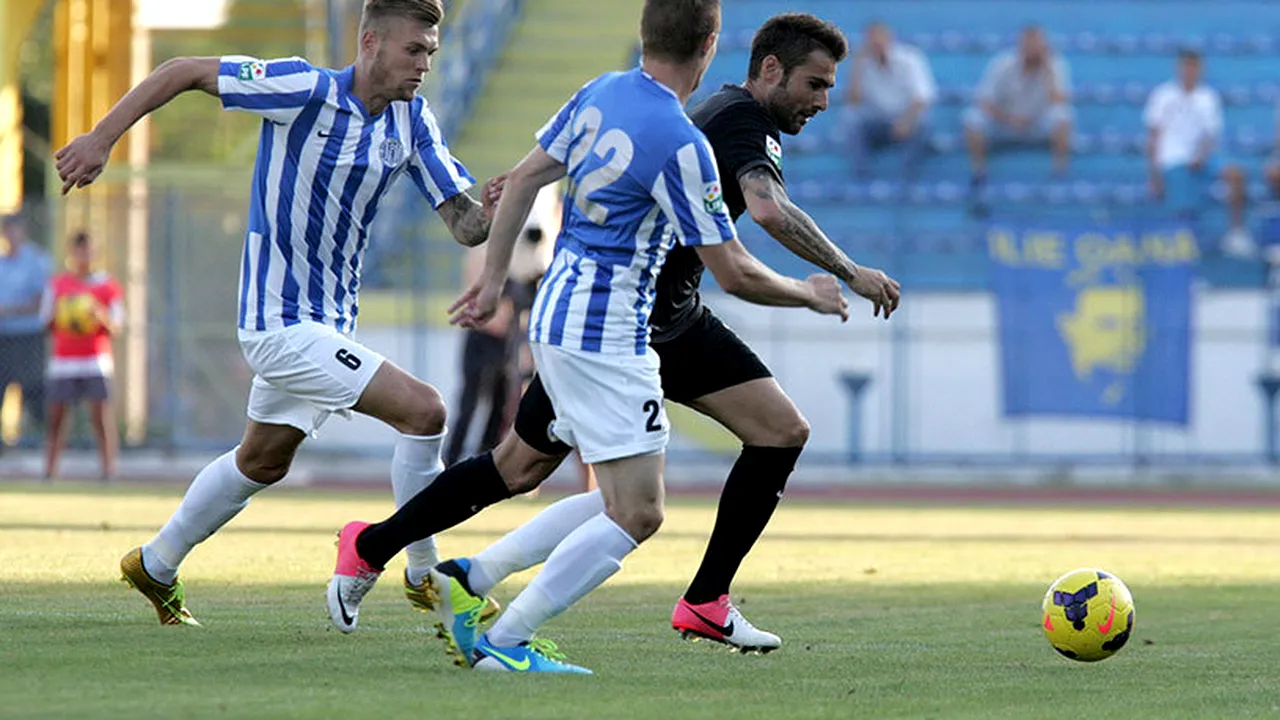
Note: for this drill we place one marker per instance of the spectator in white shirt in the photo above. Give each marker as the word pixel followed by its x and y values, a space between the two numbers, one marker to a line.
pixel 891 90
pixel 1024 98
pixel 1184 123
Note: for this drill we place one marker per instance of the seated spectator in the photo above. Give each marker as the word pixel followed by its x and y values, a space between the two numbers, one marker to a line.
pixel 1184 122
pixel 891 89
pixel 1024 98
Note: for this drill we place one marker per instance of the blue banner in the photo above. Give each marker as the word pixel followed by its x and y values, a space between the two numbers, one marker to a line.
pixel 1095 321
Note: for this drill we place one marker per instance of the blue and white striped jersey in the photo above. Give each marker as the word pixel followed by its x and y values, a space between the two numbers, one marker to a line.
pixel 323 166
pixel 641 178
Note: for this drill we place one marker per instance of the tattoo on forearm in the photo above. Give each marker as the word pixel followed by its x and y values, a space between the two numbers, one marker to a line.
pixel 465 219
pixel 803 237
pixel 797 231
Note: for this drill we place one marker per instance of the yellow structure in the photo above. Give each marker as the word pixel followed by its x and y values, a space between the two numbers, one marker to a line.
pixel 94 52
pixel 18 17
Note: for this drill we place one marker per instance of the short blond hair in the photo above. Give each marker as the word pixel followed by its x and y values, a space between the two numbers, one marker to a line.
pixel 427 12
pixel 675 30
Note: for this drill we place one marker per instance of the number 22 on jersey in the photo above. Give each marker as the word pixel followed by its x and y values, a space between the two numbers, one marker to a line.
pixel 615 150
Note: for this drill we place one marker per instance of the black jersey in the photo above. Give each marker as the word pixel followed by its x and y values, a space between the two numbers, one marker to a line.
pixel 744 137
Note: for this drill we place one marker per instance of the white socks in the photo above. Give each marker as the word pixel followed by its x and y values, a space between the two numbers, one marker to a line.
pixel 531 543
pixel 217 494
pixel 221 491
pixel 580 564
pixel 414 465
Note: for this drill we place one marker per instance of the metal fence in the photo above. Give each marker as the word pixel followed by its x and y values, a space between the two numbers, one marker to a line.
pixel 926 388
pixel 180 379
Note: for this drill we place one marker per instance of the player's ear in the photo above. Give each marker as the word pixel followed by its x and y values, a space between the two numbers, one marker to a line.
pixel 771 69
pixel 708 49
pixel 369 39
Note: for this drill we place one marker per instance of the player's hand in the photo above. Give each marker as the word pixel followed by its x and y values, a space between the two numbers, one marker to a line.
pixel 81 161
pixel 1020 123
pixel 826 297
pixel 491 193
pixel 883 291
pixel 477 305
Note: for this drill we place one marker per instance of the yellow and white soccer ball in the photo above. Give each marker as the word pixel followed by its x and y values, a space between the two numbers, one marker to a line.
pixel 76 314
pixel 1088 615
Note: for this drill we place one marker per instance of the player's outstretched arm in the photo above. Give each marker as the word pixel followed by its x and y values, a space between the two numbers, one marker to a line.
pixel 468 221
pixel 742 275
pixel 772 209
pixel 82 160
pixel 480 301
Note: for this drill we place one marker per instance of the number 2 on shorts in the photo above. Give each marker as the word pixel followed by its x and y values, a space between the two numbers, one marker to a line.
pixel 653 424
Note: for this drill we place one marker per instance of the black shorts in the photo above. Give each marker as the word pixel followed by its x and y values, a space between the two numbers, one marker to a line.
pixel 70 390
pixel 705 358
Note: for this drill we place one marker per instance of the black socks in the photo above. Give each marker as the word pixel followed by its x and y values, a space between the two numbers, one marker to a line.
pixel 750 496
pixel 459 492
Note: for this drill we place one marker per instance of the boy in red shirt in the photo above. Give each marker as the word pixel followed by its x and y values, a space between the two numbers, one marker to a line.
pixel 83 309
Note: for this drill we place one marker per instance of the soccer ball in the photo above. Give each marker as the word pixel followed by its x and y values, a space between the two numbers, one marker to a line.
pixel 76 314
pixel 1088 615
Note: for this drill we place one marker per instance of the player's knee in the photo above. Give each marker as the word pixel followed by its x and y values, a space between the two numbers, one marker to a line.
pixel 522 468
pixel 263 467
pixel 789 431
pixel 426 415
pixel 524 479
pixel 639 522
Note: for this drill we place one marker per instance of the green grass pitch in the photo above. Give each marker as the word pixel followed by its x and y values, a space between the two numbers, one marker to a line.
pixel 885 611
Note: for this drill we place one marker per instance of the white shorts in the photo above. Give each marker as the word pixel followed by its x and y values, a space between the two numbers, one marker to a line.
pixel 609 407
pixel 304 373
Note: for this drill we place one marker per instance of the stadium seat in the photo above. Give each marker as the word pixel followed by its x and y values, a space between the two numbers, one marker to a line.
pixel 922 229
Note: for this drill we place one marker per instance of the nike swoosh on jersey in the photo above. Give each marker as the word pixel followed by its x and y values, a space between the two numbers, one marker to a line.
pixel 726 630
pixel 516 665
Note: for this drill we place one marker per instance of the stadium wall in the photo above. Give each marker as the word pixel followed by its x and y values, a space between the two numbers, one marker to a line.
pixel 932 390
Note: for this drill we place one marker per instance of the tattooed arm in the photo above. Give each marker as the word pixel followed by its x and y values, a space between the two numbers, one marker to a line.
pixel 772 210
pixel 465 218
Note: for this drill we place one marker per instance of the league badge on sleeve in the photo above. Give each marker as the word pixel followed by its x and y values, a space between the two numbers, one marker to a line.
pixel 713 198
pixel 774 150
pixel 256 70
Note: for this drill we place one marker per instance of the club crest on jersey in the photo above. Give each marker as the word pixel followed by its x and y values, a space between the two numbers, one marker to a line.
pixel 713 197
pixel 774 150
pixel 256 70
pixel 392 151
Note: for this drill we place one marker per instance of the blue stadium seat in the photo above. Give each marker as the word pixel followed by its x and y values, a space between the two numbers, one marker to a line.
pixel 1119 51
